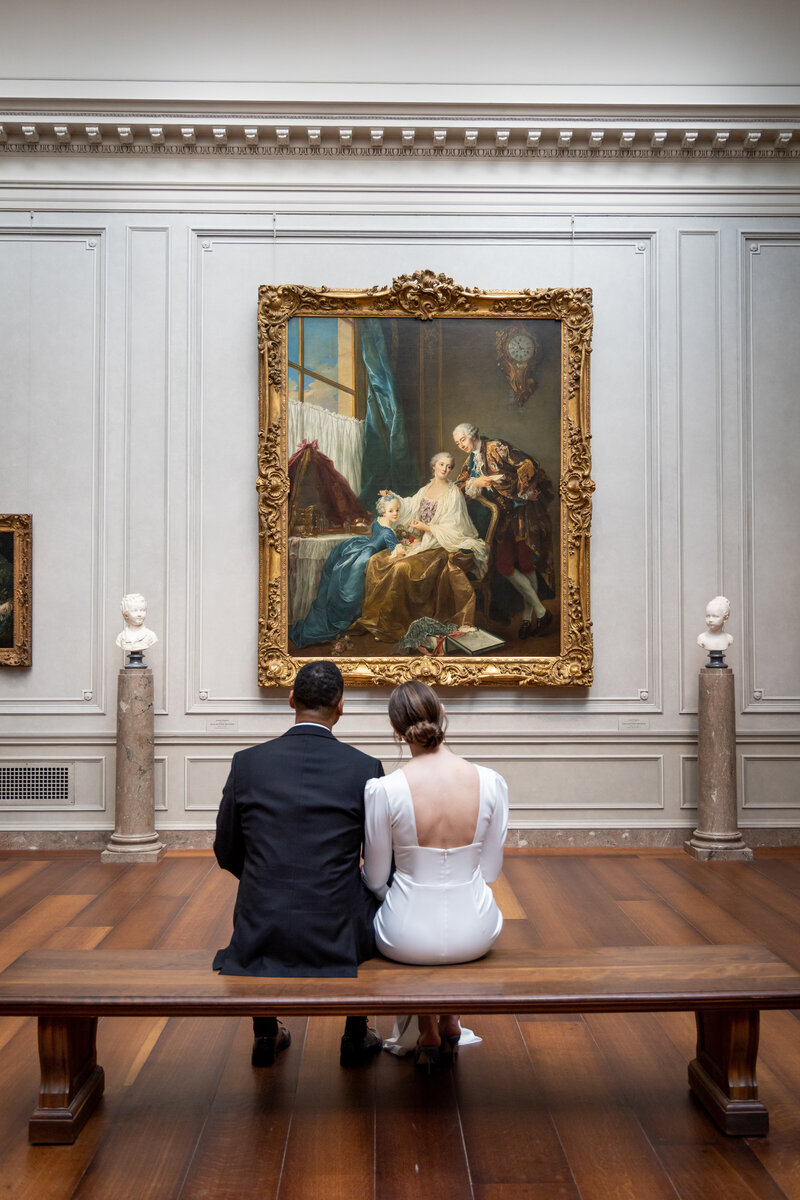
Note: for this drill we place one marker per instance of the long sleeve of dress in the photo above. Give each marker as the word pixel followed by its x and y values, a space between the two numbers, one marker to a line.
pixel 377 838
pixel 495 837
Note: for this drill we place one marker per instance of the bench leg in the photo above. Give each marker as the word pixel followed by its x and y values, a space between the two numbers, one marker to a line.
pixel 72 1082
pixel 723 1076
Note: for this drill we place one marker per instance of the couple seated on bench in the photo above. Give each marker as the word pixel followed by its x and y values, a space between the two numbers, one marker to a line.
pixel 295 814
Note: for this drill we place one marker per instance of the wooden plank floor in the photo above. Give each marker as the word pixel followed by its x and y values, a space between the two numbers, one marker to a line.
pixel 584 1108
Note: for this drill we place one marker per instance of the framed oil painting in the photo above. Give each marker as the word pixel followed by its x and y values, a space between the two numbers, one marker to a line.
pixel 15 590
pixel 424 484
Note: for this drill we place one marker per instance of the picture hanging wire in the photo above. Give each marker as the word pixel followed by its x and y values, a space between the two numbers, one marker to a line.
pixel 572 250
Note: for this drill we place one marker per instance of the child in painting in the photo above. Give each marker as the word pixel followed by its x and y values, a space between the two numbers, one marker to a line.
pixel 341 590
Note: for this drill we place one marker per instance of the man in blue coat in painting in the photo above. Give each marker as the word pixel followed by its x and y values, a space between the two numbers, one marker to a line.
pixel 290 828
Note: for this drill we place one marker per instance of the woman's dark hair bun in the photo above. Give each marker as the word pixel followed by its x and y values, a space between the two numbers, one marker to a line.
pixel 425 734
pixel 416 714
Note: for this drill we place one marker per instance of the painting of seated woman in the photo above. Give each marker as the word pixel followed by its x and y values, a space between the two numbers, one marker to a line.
pixel 435 577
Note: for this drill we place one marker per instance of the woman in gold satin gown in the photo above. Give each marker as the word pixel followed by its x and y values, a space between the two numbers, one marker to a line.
pixel 432 579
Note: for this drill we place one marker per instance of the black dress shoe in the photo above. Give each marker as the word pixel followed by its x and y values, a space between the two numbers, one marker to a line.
pixel 524 631
pixel 354 1052
pixel 265 1049
pixel 544 623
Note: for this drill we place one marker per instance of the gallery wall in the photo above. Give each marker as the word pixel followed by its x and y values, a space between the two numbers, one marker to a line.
pixel 129 269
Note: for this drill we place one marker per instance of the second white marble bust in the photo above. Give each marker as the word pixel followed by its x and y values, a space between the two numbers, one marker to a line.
pixel 135 635
pixel 714 637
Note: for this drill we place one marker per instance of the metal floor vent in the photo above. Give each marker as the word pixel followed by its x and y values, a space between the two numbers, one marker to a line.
pixel 28 783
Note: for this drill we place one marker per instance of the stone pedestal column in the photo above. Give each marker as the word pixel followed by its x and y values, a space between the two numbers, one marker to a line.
pixel 134 839
pixel 717 834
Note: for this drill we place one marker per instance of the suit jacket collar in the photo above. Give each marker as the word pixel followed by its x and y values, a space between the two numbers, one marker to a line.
pixel 311 729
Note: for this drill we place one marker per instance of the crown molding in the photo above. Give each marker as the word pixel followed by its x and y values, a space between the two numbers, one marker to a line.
pixel 325 131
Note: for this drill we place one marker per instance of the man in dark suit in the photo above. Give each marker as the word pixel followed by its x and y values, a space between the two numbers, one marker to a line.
pixel 290 828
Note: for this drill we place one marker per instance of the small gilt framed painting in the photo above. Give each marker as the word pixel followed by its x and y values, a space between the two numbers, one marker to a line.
pixel 424 483
pixel 15 589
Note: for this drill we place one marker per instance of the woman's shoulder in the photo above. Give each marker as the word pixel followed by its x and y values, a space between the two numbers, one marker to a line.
pixel 491 780
pixel 490 773
pixel 395 779
pixel 454 494
pixel 388 784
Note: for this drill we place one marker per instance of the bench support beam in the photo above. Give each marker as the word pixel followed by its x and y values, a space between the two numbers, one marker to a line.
pixel 723 1075
pixel 71 1084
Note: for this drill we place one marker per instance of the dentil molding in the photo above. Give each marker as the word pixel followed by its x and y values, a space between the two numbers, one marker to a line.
pixel 335 135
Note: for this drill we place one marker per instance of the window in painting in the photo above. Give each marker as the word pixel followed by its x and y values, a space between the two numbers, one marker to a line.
pixel 322 363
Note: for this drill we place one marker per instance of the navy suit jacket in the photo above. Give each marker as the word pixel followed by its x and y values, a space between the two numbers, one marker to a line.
pixel 290 828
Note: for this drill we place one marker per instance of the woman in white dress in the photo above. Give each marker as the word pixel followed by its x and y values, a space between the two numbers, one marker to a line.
pixel 445 821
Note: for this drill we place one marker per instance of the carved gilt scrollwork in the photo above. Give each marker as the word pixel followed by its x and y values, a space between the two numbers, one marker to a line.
pixel 272 484
pixel 577 486
pixel 19 653
pixel 427 296
pixel 424 295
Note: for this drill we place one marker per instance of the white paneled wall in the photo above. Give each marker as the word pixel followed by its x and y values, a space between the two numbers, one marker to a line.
pixel 129 408
pixel 770 499
pixel 53 293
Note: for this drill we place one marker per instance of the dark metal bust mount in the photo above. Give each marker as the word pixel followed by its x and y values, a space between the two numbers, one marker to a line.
pixel 136 661
pixel 716 658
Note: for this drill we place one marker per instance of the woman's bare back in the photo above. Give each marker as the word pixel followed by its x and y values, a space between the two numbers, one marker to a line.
pixel 445 795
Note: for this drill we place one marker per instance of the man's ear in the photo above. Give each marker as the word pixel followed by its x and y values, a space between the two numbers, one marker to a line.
pixel 291 699
pixel 340 708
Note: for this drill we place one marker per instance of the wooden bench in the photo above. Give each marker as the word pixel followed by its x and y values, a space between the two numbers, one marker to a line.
pixel 725 986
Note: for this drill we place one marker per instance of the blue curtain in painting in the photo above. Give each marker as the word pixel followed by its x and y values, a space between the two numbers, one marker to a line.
pixel 387 461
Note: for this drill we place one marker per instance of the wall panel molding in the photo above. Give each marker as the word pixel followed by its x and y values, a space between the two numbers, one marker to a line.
pixel 688 783
pixel 644 693
pixel 30 479
pixel 160 782
pixel 204 778
pixel 146 516
pixel 700 451
pixel 771 781
pixel 769 431
pixel 585 783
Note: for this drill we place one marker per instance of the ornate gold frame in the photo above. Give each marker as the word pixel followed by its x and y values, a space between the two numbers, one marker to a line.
pixel 21 525
pixel 427 297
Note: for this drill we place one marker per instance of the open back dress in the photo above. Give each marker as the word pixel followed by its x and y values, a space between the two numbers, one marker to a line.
pixel 438 908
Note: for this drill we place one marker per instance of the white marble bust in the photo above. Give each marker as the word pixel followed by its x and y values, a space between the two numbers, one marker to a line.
pixel 717 612
pixel 135 635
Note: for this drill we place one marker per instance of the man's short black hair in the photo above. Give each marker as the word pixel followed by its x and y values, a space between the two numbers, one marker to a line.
pixel 319 685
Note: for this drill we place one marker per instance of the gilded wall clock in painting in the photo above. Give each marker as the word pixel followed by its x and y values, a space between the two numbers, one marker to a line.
pixel 518 353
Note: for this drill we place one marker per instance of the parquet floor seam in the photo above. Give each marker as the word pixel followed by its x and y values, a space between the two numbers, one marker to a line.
pixel 565 1107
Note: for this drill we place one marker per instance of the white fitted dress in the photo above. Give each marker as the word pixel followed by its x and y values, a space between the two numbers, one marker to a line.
pixel 438 908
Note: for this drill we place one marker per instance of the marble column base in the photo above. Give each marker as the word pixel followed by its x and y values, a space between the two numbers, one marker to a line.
pixel 132 850
pixel 704 848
